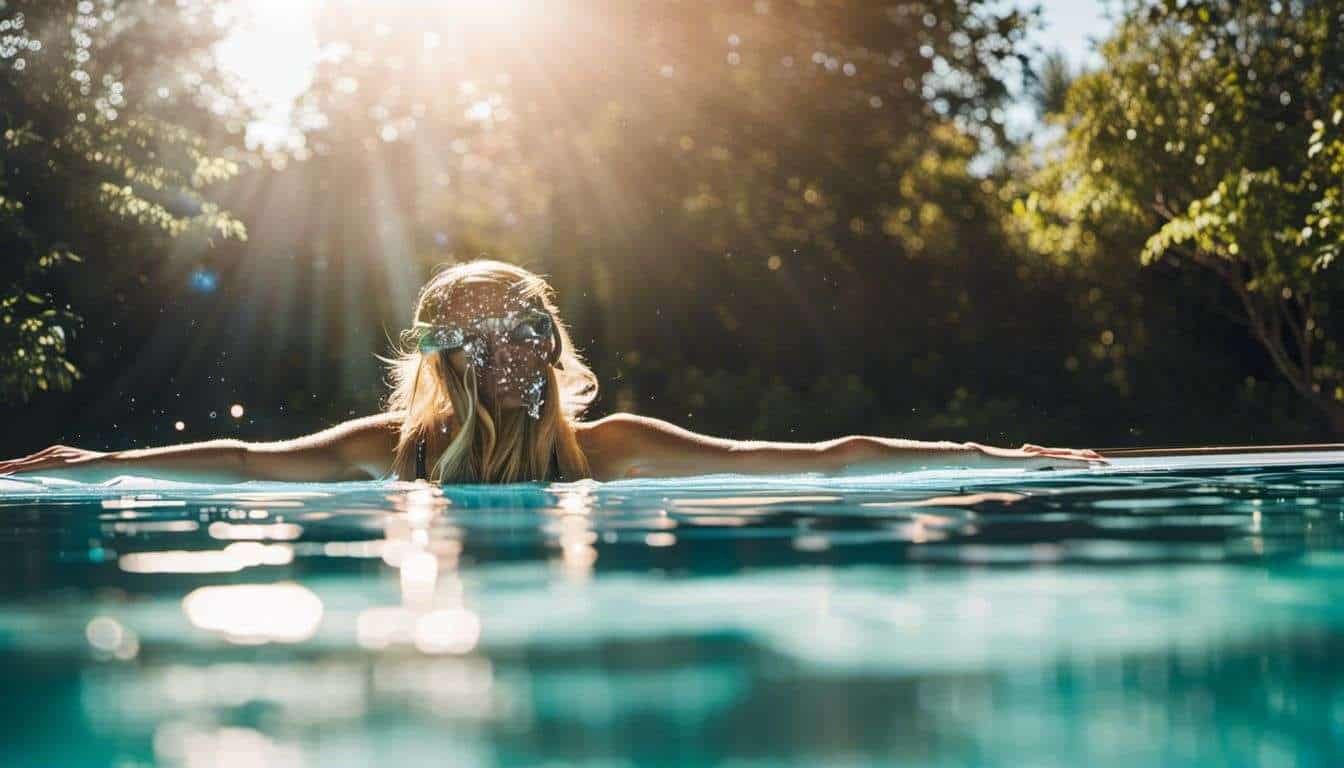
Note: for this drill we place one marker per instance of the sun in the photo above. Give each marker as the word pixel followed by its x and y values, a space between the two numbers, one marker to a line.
pixel 271 50
pixel 271 47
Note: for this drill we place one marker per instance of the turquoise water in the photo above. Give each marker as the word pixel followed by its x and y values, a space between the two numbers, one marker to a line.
pixel 1181 612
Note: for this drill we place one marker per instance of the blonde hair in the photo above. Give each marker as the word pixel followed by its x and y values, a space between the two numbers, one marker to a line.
pixel 441 406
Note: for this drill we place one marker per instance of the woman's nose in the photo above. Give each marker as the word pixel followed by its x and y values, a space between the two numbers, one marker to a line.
pixel 502 354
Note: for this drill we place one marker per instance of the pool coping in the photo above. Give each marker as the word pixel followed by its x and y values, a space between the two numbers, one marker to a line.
pixel 1215 450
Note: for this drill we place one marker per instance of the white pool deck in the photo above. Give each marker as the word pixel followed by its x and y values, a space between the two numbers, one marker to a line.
pixel 1222 457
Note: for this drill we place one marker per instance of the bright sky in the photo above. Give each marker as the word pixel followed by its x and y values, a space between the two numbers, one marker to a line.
pixel 275 47
pixel 1071 26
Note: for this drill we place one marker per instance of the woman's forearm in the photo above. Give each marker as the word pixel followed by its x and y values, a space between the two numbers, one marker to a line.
pixel 210 461
pixel 359 449
pixel 863 454
pixel 880 454
pixel 216 461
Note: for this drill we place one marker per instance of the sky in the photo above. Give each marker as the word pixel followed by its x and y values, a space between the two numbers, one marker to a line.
pixel 1069 26
pixel 274 49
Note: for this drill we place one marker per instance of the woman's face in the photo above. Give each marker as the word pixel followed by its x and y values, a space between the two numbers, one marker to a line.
pixel 507 343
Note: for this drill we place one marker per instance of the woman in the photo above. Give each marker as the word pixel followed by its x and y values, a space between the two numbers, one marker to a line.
pixel 489 388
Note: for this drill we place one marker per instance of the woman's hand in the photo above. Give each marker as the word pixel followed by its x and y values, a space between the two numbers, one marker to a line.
pixel 1039 457
pixel 56 457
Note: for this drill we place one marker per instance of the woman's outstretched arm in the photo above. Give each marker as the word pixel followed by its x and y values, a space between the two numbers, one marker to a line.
pixel 359 449
pixel 625 445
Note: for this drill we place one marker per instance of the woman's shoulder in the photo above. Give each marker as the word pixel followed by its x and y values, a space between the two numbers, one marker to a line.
pixel 609 443
pixel 620 427
pixel 630 445
pixel 374 426
pixel 627 426
pixel 367 441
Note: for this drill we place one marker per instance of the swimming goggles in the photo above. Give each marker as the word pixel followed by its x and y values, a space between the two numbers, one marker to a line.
pixel 527 326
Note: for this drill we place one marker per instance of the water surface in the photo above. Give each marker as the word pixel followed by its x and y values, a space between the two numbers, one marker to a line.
pixel 1181 612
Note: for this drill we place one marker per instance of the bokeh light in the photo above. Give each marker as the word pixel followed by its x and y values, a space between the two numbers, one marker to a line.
pixel 253 614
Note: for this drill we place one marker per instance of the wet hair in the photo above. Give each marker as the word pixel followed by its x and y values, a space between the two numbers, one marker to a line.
pixel 475 442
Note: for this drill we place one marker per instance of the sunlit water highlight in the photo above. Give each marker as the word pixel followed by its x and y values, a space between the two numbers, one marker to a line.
pixel 1174 612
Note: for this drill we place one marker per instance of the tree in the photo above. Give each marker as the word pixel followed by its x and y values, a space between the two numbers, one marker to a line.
pixel 1050 82
pixel 95 166
pixel 1209 138
pixel 684 170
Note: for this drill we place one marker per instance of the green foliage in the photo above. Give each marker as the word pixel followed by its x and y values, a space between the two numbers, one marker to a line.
pixel 720 185
pixel 1323 234
pixel 89 167
pixel 1050 83
pixel 755 404
pixel 1206 139
pixel 770 220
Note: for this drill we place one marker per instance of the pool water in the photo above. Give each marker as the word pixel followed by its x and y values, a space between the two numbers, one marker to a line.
pixel 1178 612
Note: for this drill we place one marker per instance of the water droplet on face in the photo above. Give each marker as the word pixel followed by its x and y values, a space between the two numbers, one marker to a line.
pixel 534 397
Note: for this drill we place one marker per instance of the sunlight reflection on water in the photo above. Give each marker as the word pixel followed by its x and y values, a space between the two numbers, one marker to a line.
pixel 1142 614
